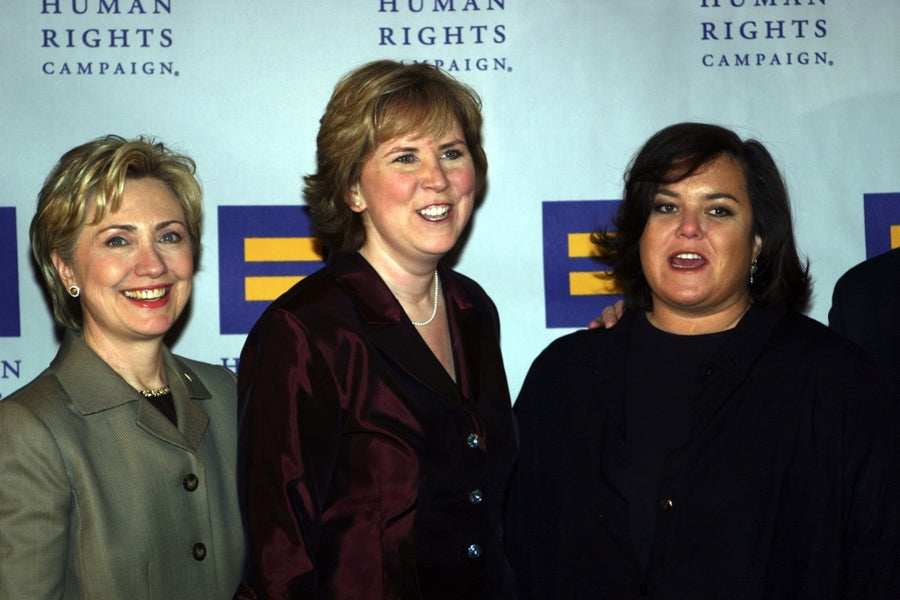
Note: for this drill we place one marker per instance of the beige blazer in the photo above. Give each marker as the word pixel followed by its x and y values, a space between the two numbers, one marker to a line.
pixel 101 497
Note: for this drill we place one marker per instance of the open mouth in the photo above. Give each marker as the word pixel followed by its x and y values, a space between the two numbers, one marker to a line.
pixel 435 212
pixel 151 294
pixel 687 260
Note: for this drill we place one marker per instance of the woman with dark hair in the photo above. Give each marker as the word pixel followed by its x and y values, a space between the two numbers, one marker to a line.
pixel 715 443
pixel 377 430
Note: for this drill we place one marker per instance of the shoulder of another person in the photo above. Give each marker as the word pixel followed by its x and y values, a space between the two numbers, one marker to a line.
pixel 886 265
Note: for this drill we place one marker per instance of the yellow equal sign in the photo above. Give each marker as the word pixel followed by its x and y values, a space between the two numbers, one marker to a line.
pixel 293 249
pixel 588 283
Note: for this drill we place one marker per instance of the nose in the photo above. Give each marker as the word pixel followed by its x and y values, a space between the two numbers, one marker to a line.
pixel 150 262
pixel 689 226
pixel 435 178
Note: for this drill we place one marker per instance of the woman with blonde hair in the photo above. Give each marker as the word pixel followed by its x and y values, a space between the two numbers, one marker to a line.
pixel 117 463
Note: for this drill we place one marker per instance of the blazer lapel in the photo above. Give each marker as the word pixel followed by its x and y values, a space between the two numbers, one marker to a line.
pixel 93 387
pixel 387 324
pixel 467 343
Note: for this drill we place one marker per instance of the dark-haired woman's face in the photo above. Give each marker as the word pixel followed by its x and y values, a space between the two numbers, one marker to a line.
pixel 697 245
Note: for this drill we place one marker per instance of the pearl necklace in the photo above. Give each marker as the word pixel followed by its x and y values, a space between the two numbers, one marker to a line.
pixel 434 310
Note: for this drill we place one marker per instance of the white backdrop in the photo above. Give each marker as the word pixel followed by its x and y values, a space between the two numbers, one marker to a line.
pixel 571 89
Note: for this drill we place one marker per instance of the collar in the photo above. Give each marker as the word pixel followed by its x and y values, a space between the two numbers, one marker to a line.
pixel 390 329
pixel 93 387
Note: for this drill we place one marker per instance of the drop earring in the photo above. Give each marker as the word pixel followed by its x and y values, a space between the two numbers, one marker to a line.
pixel 754 266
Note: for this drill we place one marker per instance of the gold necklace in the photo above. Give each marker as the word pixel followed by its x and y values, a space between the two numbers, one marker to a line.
pixel 156 393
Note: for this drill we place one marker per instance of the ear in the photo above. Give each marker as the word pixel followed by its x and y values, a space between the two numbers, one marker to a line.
pixel 757 246
pixel 355 199
pixel 66 273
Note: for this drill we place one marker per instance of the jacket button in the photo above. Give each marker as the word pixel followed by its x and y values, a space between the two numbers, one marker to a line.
pixel 190 482
pixel 473 551
pixel 475 497
pixel 472 440
pixel 666 504
pixel 198 551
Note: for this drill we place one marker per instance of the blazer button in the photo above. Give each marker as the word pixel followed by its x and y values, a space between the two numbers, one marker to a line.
pixel 666 504
pixel 475 497
pixel 198 551
pixel 472 440
pixel 473 551
pixel 190 482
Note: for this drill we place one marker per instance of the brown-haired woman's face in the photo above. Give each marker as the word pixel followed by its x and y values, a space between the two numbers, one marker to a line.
pixel 697 245
pixel 135 267
pixel 416 195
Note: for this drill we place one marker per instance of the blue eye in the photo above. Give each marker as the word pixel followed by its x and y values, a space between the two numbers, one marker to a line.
pixel 453 153
pixel 405 159
pixel 171 237
pixel 116 242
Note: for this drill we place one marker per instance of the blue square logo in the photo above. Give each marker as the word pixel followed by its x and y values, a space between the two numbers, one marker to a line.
pixel 9 274
pixel 263 251
pixel 882 214
pixel 576 287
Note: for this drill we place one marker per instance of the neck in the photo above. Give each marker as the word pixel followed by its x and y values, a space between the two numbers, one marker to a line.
pixel 686 322
pixel 411 284
pixel 415 288
pixel 141 364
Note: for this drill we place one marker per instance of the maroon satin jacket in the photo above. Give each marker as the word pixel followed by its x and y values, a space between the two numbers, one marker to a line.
pixel 367 472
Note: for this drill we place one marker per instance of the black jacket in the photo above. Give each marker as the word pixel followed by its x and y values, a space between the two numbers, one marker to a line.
pixel 787 488
pixel 865 308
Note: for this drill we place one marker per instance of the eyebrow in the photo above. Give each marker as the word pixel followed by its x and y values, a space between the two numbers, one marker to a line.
pixel 444 146
pixel 711 196
pixel 129 227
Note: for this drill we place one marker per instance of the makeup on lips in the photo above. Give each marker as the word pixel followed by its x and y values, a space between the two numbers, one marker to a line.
pixel 149 297
pixel 687 260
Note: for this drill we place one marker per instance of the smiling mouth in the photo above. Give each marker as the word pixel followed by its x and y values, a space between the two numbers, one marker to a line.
pixel 435 212
pixel 154 294
pixel 686 260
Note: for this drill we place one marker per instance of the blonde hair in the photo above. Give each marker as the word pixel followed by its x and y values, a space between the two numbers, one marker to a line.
pixel 93 176
pixel 370 105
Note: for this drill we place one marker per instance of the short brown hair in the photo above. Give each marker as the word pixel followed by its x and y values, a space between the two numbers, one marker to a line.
pixel 370 105
pixel 93 175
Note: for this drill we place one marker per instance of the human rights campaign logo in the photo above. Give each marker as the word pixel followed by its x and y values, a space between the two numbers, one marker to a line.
pixel 575 288
pixel 882 213
pixel 9 274
pixel 263 251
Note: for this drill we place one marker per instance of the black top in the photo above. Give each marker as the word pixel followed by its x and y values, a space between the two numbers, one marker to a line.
pixel 865 307
pixel 786 487
pixel 664 373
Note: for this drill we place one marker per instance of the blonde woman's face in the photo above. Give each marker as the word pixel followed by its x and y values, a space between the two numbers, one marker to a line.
pixel 135 267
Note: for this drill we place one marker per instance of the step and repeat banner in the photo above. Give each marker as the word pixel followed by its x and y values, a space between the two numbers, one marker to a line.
pixel 571 90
